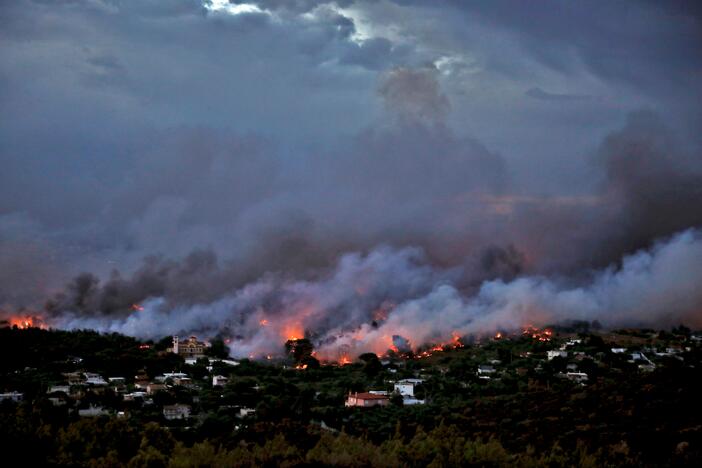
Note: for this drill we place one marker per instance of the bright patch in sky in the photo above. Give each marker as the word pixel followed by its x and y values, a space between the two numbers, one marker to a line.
pixel 233 8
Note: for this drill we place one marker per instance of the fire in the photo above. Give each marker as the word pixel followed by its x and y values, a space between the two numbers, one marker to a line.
pixel 537 334
pixel 344 360
pixel 137 307
pixel 144 346
pixel 293 332
pixel 26 322
pixel 498 336
pixel 263 322
pixel 301 366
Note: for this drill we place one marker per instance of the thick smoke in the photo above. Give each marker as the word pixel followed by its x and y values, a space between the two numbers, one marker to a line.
pixel 464 254
pixel 394 298
pixel 367 174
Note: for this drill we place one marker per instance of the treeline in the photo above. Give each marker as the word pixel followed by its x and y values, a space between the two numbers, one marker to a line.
pixel 29 439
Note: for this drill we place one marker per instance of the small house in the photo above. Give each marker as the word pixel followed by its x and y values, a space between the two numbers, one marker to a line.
pixel 172 412
pixel 366 400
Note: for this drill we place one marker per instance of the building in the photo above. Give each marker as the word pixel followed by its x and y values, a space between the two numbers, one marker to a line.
pixel 59 389
pixel 219 381
pixel 554 353
pixel 484 372
pixel 183 381
pixel 73 378
pixel 92 411
pixel 366 400
pixel 405 387
pixel 12 396
pixel 155 387
pixel 172 412
pixel 244 412
pixel 580 377
pixel 191 348
pixel 94 379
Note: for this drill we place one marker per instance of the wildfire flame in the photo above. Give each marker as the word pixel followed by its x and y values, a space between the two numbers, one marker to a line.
pixel 137 307
pixel 26 322
pixel 537 334
pixel 293 332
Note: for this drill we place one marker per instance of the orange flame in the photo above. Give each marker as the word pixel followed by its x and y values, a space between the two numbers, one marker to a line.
pixel 537 334
pixel 293 332
pixel 263 322
pixel 137 307
pixel 26 322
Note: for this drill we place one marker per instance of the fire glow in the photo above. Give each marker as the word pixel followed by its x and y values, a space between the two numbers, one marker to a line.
pixel 537 333
pixel 26 322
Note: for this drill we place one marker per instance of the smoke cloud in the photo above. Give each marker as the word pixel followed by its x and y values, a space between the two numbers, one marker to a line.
pixel 367 174
pixel 393 298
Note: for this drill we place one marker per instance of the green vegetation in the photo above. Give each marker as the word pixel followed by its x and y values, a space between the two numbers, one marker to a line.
pixel 632 411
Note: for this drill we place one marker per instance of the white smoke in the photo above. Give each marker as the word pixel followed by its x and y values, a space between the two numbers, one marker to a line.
pixel 367 299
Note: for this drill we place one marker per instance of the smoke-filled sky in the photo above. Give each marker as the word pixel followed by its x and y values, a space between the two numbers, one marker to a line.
pixel 330 164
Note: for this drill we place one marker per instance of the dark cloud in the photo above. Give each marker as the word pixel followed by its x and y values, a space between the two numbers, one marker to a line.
pixel 204 161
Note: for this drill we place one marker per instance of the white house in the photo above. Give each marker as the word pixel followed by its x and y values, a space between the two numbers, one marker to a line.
pixel 171 412
pixel 554 353
pixel 92 411
pixel 405 387
pixel 59 388
pixel 407 401
pixel 219 381
pixel 228 362
pixel 170 375
pixel 12 396
pixel 94 379
pixel 243 412
pixel 580 377
pixel 484 372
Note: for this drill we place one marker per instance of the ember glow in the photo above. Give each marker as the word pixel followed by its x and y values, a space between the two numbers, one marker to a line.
pixel 292 332
pixel 25 322
pixel 537 334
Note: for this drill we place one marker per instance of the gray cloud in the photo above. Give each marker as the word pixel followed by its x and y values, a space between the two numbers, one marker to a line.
pixel 538 93
pixel 255 152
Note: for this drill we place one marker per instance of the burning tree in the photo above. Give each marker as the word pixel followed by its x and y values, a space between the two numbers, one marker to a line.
pixel 302 350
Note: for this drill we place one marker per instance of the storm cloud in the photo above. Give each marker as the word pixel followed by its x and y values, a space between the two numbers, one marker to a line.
pixel 211 158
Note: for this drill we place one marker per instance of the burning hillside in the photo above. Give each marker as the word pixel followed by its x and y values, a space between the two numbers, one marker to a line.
pixel 394 300
pixel 23 321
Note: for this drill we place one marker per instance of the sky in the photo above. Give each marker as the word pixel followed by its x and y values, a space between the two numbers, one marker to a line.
pixel 196 147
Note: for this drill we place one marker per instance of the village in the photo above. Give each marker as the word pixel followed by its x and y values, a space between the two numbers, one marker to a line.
pixel 200 384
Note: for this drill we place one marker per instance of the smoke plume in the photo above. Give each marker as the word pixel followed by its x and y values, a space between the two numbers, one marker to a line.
pixel 394 298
